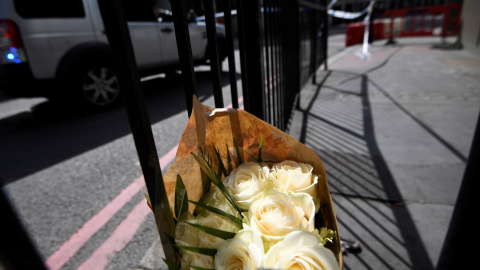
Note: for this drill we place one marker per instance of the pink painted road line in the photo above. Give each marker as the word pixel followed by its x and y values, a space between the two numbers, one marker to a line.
pixel 118 240
pixel 77 240
pixel 122 235
pixel 127 229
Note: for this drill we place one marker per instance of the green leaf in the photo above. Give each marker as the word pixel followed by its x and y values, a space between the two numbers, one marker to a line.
pixel 203 163
pixel 326 235
pixel 221 167
pixel 181 197
pixel 260 150
pixel 236 221
pixel 171 265
pixel 239 154
pixel 215 232
pixel 148 198
pixel 199 250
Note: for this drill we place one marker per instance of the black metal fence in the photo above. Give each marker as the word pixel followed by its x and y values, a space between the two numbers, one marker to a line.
pixel 282 43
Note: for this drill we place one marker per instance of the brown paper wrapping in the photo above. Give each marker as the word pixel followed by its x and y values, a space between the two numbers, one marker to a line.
pixel 207 125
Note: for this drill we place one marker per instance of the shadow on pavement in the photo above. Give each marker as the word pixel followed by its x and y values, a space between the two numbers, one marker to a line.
pixel 368 204
pixel 52 132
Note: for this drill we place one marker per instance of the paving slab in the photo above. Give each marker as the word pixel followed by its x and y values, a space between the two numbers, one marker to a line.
pixel 394 132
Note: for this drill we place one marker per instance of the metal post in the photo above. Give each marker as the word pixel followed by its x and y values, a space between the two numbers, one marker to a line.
pixel 291 51
pixel 241 47
pixel 115 23
pixel 277 61
pixel 231 52
pixel 251 52
pixel 267 14
pixel 213 52
pixel 325 36
pixel 184 51
pixel 313 48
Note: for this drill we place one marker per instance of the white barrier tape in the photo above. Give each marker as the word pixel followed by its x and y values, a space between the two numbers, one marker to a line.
pixel 366 54
pixel 347 15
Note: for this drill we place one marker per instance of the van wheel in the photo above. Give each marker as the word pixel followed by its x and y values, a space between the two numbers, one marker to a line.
pixel 97 85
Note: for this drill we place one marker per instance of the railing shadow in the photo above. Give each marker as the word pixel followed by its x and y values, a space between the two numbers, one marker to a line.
pixel 52 132
pixel 338 125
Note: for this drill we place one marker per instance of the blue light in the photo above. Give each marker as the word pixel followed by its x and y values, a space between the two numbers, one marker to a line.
pixel 11 56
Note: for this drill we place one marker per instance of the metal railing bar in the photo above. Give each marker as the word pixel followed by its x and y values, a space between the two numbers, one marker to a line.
pixel 295 84
pixel 290 38
pixel 213 51
pixel 273 69
pixel 184 47
pixel 231 52
pixel 242 48
pixel 278 57
pixel 325 37
pixel 271 52
pixel 313 47
pixel 266 16
pixel 114 20
pixel 252 43
pixel 115 23
pixel 272 48
pixel 285 59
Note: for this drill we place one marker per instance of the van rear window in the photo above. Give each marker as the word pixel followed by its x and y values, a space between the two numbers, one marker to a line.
pixel 30 9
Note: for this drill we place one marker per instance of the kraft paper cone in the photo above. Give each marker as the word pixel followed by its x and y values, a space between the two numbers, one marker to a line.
pixel 207 125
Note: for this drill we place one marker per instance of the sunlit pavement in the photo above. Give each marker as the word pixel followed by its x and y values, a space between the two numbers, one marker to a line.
pixel 394 132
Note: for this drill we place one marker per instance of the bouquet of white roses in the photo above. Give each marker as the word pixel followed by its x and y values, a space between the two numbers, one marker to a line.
pixel 263 202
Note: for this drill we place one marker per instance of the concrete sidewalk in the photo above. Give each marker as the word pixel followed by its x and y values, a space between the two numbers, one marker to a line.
pixel 394 133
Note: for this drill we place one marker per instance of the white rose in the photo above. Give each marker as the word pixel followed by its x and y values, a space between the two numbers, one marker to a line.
pixel 300 250
pixel 195 259
pixel 274 214
pixel 244 251
pixel 246 182
pixel 294 176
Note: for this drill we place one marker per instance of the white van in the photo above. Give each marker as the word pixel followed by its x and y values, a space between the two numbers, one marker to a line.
pixel 59 48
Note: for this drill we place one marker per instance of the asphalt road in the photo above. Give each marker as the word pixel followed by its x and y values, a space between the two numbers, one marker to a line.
pixel 61 168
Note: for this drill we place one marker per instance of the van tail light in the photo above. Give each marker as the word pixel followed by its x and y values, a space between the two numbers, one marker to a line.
pixel 11 46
